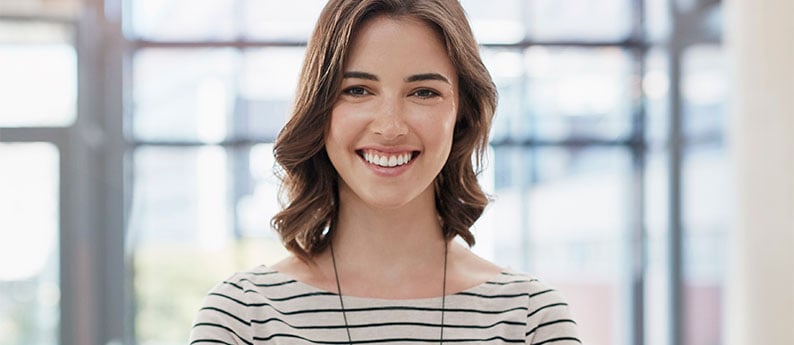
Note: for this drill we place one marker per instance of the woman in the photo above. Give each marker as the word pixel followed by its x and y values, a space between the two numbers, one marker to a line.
pixel 377 167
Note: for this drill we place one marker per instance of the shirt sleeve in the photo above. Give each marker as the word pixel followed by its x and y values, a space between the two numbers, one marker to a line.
pixel 549 319
pixel 223 318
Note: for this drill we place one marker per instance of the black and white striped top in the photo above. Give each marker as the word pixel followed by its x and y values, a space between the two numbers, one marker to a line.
pixel 263 306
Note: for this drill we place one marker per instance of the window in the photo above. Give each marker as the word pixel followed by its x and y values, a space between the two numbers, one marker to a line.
pixel 203 121
pixel 705 194
pixel 606 162
pixel 39 62
pixel 580 165
pixel 29 254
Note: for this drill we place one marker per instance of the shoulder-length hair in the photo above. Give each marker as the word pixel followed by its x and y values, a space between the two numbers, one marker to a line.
pixel 309 180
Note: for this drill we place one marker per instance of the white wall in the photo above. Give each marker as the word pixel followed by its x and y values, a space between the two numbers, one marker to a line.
pixel 760 296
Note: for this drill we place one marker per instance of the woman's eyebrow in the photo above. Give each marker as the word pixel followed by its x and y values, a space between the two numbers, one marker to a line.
pixel 360 75
pixel 427 76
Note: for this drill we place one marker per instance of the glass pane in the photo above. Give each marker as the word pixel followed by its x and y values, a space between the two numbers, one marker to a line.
pixel 281 20
pixel 704 92
pixel 706 205
pixel 656 88
pixel 586 255
pixel 268 81
pixel 180 195
pixel 562 214
pixel 706 192
pixel 496 21
pixel 59 9
pixel 39 62
pixel 29 252
pixel 657 20
pixel 184 94
pixel 713 23
pixel 174 20
pixel 507 70
pixel 657 298
pixel 260 202
pixel 580 20
pixel 181 220
pixel 511 176
pixel 657 291
pixel 574 93
pixel 21 32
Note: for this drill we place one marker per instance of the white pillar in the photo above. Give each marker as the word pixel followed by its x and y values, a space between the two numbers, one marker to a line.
pixel 760 284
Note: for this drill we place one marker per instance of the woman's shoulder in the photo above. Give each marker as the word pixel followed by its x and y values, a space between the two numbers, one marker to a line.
pixel 253 284
pixel 261 275
pixel 243 296
pixel 509 278
pixel 515 283
pixel 546 305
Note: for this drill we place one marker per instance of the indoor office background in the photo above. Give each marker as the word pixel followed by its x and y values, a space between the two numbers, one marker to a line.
pixel 136 163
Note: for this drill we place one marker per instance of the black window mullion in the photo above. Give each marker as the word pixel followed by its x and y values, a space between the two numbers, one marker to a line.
pixel 638 231
pixel 675 136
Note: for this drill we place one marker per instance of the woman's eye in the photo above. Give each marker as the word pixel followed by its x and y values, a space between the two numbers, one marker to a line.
pixel 356 91
pixel 425 93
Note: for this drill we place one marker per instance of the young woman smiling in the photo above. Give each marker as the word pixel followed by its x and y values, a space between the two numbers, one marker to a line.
pixel 377 167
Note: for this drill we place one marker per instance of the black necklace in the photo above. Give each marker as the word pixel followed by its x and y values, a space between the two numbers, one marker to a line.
pixel 443 294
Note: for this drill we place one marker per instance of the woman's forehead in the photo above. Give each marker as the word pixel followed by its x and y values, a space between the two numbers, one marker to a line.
pixel 398 44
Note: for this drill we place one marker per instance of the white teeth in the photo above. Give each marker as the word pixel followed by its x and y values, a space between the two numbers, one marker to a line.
pixel 388 161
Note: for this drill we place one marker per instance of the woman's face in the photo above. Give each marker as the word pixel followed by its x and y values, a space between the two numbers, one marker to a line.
pixel 392 124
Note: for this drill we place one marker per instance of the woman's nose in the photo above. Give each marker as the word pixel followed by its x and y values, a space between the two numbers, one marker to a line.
pixel 389 121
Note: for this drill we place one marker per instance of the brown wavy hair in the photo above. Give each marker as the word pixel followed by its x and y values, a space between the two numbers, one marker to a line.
pixel 309 180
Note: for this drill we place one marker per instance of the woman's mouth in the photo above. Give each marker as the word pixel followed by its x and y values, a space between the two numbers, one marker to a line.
pixel 387 160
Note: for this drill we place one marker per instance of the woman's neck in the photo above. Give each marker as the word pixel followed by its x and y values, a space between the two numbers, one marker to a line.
pixel 388 245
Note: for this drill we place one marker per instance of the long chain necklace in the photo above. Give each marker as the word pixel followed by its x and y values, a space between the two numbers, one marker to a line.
pixel 443 294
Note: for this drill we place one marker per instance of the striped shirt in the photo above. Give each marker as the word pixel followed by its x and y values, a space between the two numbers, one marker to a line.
pixel 263 306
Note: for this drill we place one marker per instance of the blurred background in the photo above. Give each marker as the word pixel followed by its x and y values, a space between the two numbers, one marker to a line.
pixel 136 160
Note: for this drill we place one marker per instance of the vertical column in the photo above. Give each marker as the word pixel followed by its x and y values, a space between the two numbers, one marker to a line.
pixel 92 182
pixel 760 299
pixel 117 308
